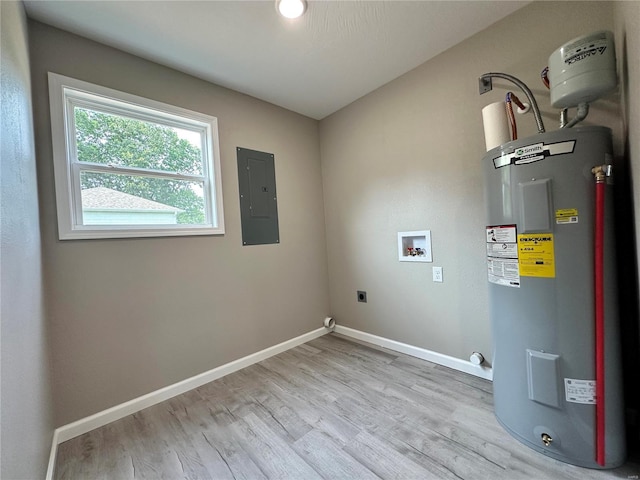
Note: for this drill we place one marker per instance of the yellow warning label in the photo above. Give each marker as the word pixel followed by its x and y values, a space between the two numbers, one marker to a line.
pixel 535 255
pixel 566 215
pixel 566 212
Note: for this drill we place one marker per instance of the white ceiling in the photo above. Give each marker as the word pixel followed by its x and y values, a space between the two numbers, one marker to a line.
pixel 336 53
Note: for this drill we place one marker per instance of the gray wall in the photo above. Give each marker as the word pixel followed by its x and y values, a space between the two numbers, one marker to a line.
pixel 131 316
pixel 627 23
pixel 407 157
pixel 27 410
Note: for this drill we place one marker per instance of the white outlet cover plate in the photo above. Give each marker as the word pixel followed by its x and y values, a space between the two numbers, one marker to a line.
pixel 437 274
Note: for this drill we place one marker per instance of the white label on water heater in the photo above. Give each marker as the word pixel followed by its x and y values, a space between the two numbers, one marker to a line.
pixel 502 255
pixel 502 250
pixel 502 234
pixel 504 271
pixel 533 153
pixel 580 391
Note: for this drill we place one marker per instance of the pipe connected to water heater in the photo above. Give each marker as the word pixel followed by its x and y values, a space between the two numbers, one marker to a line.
pixel 486 79
pixel 601 173
pixel 579 73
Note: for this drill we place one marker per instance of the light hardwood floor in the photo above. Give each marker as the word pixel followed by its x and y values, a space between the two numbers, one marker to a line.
pixel 331 408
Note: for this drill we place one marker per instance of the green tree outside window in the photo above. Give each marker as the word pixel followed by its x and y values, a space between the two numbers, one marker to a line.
pixel 111 139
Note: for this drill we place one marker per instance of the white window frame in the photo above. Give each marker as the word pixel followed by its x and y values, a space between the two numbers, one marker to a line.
pixel 64 94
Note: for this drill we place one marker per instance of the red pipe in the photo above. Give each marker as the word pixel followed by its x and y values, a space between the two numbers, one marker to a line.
pixel 511 97
pixel 599 318
pixel 512 121
pixel 545 77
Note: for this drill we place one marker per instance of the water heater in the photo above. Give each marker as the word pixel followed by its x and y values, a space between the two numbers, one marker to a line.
pixel 540 257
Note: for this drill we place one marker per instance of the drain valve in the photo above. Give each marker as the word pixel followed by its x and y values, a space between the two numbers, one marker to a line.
pixel 546 439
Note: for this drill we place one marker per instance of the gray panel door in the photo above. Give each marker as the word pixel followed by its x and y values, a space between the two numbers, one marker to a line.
pixel 258 199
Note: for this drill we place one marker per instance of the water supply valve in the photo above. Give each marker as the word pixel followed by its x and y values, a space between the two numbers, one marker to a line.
pixel 602 172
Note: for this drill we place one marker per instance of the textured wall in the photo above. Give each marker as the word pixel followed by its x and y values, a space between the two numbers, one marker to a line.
pixel 133 315
pixel 27 408
pixel 130 316
pixel 627 19
pixel 627 22
pixel 407 157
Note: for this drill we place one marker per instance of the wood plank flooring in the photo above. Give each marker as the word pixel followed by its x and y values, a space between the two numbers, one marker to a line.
pixel 331 408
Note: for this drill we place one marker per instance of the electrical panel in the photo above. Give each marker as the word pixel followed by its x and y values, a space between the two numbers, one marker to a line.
pixel 258 199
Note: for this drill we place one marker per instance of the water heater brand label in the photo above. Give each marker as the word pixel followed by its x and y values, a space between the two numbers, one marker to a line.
pixel 580 391
pixel 530 153
pixel 587 47
pixel 536 255
pixel 533 153
pixel 502 255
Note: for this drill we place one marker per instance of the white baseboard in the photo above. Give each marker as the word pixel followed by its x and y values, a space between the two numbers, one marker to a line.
pixel 435 357
pixel 51 467
pixel 84 425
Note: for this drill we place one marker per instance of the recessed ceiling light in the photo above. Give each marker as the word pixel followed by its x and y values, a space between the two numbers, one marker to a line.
pixel 291 8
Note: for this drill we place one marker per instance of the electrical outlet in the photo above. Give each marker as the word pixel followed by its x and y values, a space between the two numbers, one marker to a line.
pixel 437 274
pixel 362 296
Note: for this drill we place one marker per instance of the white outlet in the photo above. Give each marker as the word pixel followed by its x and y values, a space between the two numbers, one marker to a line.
pixel 437 274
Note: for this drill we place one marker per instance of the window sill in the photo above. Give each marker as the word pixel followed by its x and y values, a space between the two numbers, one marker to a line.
pixel 136 232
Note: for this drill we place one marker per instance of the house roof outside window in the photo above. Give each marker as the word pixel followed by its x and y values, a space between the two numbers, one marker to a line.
pixel 102 198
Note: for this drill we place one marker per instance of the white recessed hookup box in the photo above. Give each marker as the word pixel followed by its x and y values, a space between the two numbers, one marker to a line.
pixel 415 246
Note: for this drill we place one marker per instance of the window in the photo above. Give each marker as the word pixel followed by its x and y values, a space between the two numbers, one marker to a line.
pixel 127 166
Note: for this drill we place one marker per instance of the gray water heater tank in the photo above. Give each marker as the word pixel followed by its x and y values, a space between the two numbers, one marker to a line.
pixel 540 258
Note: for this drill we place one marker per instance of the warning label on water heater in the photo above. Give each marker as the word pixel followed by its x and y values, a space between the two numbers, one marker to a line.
pixel 536 255
pixel 502 255
pixel 580 391
pixel 566 215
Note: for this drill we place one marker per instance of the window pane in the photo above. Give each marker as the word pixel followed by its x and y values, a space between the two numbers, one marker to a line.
pixel 114 199
pixel 113 139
